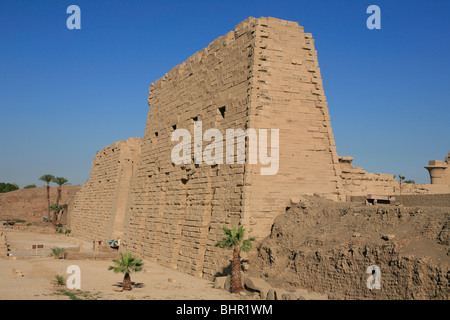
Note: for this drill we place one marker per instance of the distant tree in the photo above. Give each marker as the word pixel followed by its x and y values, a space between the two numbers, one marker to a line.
pixel 235 239
pixel 30 186
pixel 409 181
pixel 47 178
pixel 60 181
pixel 58 252
pixel 8 187
pixel 55 208
pixel 400 179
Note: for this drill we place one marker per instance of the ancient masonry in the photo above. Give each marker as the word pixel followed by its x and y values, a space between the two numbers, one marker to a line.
pixel 100 206
pixel 263 75
pixel 3 245
pixel 439 171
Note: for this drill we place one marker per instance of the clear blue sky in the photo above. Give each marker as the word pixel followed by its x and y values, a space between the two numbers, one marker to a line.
pixel 66 94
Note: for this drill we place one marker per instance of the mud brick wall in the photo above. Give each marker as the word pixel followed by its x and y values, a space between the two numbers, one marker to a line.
pixel 100 205
pixel 342 274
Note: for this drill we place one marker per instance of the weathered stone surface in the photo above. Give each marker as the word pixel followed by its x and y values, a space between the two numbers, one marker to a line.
pixel 31 204
pixel 358 182
pixel 219 282
pixel 3 245
pixel 257 284
pixel 100 205
pixel 263 75
pixel 388 237
pixel 245 79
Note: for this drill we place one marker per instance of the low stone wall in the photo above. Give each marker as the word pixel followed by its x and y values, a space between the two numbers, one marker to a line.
pixel 410 200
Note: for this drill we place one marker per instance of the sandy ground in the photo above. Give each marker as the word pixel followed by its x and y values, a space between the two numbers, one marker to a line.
pixel 154 283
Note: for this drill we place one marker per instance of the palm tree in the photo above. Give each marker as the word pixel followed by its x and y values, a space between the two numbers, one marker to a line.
pixel 58 252
pixel 127 265
pixel 60 181
pixel 235 239
pixel 55 208
pixel 47 178
pixel 401 178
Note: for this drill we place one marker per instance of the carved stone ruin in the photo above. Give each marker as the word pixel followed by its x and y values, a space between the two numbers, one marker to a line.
pixel 263 75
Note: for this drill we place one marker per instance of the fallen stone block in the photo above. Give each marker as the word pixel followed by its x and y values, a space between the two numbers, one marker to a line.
pixel 257 284
pixel 388 237
pixel 219 282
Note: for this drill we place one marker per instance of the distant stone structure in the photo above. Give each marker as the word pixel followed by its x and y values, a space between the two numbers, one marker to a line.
pixel 3 245
pixel 100 205
pixel 263 75
pixel 439 171
pixel 358 182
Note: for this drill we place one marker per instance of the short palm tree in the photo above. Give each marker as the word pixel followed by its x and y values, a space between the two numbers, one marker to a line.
pixel 58 252
pixel 47 178
pixel 60 181
pixel 59 280
pixel 126 265
pixel 235 239
pixel 55 208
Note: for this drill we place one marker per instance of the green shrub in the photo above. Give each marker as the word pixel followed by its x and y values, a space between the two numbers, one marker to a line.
pixel 30 186
pixel 58 253
pixel 59 280
pixel 7 187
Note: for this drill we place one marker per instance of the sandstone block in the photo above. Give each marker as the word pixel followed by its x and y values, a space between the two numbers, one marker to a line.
pixel 257 284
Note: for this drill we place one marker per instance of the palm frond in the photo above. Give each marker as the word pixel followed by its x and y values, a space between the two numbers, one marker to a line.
pixel 127 264
pixel 47 178
pixel 60 181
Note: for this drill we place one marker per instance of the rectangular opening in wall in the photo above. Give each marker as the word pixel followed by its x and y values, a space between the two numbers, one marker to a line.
pixel 174 127
pixel 222 111
pixel 156 134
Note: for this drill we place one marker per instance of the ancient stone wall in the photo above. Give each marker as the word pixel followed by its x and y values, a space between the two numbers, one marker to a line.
pixel 410 200
pixel 177 212
pixel 439 171
pixel 3 245
pixel 287 94
pixel 264 75
pixel 100 205
pixel 358 182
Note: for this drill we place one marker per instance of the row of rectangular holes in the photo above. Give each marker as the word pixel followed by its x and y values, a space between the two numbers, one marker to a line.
pixel 195 119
